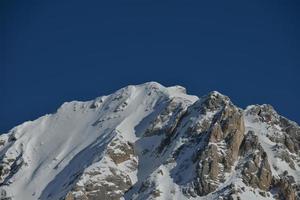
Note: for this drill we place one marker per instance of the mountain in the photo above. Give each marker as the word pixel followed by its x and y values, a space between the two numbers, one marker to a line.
pixel 152 142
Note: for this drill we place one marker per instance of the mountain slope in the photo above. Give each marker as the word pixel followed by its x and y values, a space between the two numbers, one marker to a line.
pixel 152 142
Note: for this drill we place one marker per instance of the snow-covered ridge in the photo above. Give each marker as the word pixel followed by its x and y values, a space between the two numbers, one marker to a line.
pixel 152 142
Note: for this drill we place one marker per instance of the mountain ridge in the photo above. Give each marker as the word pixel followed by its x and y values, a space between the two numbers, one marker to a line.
pixel 152 142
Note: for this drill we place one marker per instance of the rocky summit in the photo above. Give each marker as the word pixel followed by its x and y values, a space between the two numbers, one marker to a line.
pixel 152 142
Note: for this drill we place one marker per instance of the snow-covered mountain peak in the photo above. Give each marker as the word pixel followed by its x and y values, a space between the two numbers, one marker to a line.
pixel 152 142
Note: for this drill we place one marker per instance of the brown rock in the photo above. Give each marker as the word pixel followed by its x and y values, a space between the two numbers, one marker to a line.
pixel 284 188
pixel 256 172
pixel 227 130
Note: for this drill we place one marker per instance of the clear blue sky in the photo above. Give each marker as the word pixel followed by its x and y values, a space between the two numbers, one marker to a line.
pixel 57 51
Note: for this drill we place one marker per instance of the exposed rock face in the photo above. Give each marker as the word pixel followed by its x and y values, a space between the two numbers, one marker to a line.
pixel 151 142
pixel 167 120
pixel 10 163
pixel 284 186
pixel 283 146
pixel 289 135
pixel 104 181
pixel 106 191
pixel 256 170
pixel 120 151
pixel 224 138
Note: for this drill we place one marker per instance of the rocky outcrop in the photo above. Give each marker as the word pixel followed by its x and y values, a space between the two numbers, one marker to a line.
pixel 111 188
pixel 289 135
pixel 284 187
pixel 284 134
pixel 167 120
pixel 223 142
pixel 292 136
pixel 256 170
pixel 120 151
pixel 104 181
